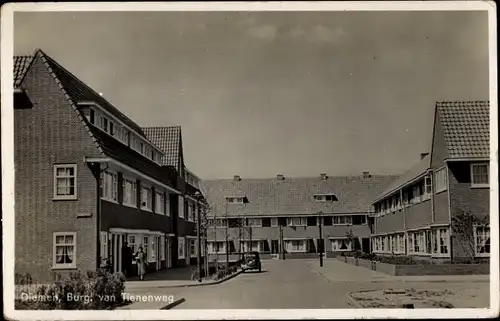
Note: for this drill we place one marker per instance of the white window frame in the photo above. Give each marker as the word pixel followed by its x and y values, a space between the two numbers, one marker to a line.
pixel 274 221
pixel 256 222
pixel 337 247
pixel 181 247
pixel 475 229
pixel 152 249
pixel 133 192
pixel 56 265
pixel 419 238
pixel 192 248
pixel 159 202
pixel 215 247
pixel 109 186
pixel 147 191
pixel 190 212
pixel 181 207
pixel 292 221
pixel 104 247
pixel 439 234
pixel 162 248
pixel 167 203
pixel 479 185
pixel 346 218
pixel 441 180
pixel 66 177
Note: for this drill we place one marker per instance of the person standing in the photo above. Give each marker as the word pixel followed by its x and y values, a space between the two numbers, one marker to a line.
pixel 141 263
pixel 126 259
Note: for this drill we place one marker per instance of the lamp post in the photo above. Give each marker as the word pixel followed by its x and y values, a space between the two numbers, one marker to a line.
pixel 198 196
pixel 320 243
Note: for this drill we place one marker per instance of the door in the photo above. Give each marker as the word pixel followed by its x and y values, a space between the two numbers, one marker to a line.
pixel 274 247
pixel 365 244
pixel 158 254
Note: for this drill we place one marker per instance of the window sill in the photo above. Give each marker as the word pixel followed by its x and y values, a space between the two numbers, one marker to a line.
pixel 69 198
pixel 146 209
pixel 441 191
pixel 482 255
pixel 480 186
pixel 64 267
pixel 109 200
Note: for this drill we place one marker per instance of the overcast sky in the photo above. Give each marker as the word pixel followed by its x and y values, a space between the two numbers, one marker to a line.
pixel 294 93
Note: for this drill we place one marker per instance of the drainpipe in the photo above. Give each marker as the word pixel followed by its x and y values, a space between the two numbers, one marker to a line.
pixel 404 219
pixel 98 212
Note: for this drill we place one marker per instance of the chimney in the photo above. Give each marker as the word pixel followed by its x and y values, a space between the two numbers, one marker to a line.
pixel 422 155
pixel 280 177
pixel 366 175
pixel 324 176
pixel 237 178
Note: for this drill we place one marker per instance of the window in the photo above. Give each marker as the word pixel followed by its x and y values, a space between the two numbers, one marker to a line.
pixel 64 250
pixel 162 248
pixel 192 248
pixel 327 220
pixel 441 180
pixel 216 247
pixel 428 187
pixel 325 198
pixel 394 244
pixel 111 128
pixel 274 222
pixel 416 192
pixel 401 243
pixel 160 203
pixel 235 200
pixel 109 186
pixel 359 219
pixel 342 220
pixel 181 248
pixel 129 192
pixel 342 244
pixel 146 198
pixel 92 116
pixel 266 222
pixel 181 207
pixel 152 252
pixel 296 221
pixel 104 247
pixel 132 243
pixel 444 239
pixel 482 240
pixel 190 211
pixel 254 222
pixel 480 175
pixel 417 244
pixel 167 204
pixel 65 181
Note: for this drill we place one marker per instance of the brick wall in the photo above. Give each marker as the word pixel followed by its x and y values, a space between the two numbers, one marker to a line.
pixel 441 208
pixel 51 132
pixel 389 223
pixel 418 215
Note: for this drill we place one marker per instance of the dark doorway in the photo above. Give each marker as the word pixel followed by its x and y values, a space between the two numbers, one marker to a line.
pixel 365 245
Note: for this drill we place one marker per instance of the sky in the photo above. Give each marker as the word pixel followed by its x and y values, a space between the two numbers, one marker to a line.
pixel 264 93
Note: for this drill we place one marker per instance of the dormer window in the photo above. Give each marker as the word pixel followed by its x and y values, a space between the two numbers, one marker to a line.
pixel 325 198
pixel 235 200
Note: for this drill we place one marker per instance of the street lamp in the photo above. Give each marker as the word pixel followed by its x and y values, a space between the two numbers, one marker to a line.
pixel 198 196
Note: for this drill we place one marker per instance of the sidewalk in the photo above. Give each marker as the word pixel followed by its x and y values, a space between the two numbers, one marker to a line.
pixel 337 271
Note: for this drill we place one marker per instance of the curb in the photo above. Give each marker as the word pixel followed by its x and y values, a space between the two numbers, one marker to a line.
pixel 352 301
pixel 192 285
pixel 173 304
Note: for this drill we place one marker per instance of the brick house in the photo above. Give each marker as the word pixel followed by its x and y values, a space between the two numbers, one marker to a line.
pixel 169 140
pixel 276 215
pixel 87 178
pixel 413 215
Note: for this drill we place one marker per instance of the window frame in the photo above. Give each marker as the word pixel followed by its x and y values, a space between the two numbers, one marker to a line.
pixel 479 185
pixel 159 195
pixel 181 246
pixel 162 248
pixel 73 196
pixel 133 192
pixel 149 195
pixel 438 179
pixel 475 230
pixel 348 220
pixel 113 186
pixel 56 265
pixel 338 249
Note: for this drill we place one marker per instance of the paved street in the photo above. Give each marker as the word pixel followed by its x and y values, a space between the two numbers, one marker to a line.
pixel 299 284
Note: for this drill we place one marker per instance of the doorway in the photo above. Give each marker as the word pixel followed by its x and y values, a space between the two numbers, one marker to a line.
pixel 365 245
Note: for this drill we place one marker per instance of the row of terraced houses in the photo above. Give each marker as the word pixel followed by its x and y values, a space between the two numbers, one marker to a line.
pixel 408 214
pixel 88 179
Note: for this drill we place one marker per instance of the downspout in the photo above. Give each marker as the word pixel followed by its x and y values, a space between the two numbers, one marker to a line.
pixel 449 209
pixel 98 211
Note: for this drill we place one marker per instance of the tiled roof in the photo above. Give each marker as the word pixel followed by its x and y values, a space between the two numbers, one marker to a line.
pixel 466 127
pixel 79 92
pixel 294 196
pixel 168 139
pixel 418 169
pixel 116 150
pixel 21 65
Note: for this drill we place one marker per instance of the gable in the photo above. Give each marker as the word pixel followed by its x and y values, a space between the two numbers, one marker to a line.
pixel 439 148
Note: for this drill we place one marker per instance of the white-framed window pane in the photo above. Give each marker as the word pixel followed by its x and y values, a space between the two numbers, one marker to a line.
pixel 482 241
pixel 480 174
pixel 64 249
pixel 65 181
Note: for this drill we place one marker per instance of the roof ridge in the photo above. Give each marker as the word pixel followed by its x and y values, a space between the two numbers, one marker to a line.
pixel 301 177
pixel 80 82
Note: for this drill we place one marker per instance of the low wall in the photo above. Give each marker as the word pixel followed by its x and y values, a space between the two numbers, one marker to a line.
pixel 420 269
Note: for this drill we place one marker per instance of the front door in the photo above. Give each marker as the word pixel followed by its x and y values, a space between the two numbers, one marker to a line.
pixel 274 247
pixel 158 254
